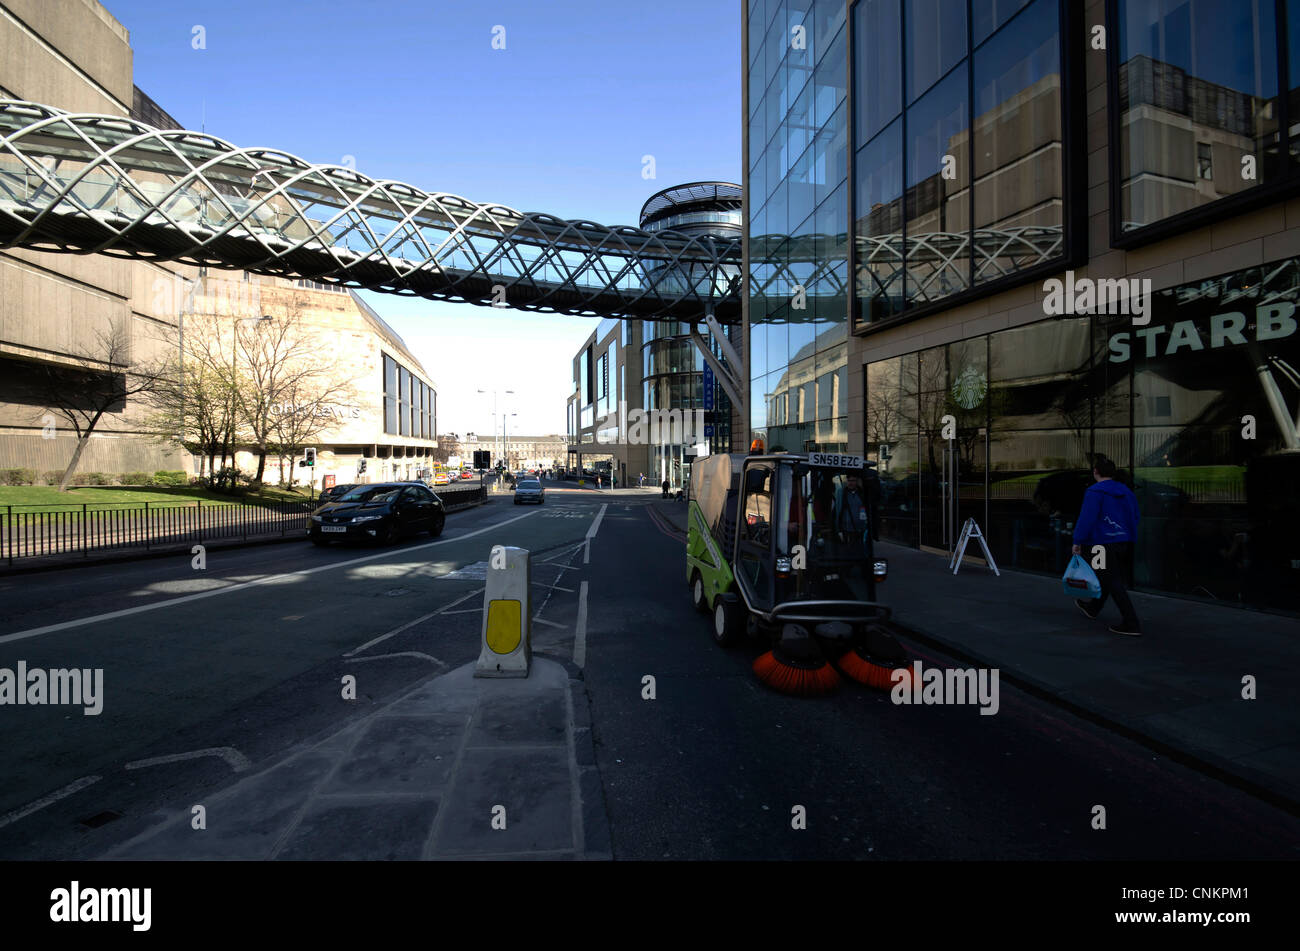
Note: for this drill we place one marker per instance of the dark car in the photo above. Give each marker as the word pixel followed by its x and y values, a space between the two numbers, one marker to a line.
pixel 384 513
pixel 334 493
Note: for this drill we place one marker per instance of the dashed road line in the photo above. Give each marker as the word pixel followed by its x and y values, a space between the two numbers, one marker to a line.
pixel 52 798
pixel 591 533
pixel 418 654
pixel 235 759
pixel 580 637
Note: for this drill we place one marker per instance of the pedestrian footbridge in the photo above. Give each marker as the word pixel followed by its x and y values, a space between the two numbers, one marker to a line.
pixel 85 183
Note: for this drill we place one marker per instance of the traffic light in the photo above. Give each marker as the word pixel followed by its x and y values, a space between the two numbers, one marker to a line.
pixel 309 457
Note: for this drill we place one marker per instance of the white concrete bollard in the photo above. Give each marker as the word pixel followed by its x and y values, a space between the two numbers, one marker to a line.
pixel 507 649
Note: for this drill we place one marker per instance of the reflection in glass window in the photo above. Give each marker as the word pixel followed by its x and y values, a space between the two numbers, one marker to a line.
pixel 988 15
pixel 936 41
pixel 879 197
pixel 878 72
pixel 1019 170
pixel 1006 128
pixel 1194 71
pixel 937 203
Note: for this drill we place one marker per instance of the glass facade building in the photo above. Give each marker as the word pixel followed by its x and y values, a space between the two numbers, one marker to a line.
pixel 673 372
pixel 917 171
pixel 797 226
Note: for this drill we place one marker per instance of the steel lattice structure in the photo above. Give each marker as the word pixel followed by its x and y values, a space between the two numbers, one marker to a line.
pixel 87 183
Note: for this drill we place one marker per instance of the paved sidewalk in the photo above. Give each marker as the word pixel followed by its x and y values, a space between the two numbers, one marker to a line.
pixel 433 775
pixel 1178 687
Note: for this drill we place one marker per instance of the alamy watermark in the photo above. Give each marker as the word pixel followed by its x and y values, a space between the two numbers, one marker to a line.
pixel 1130 296
pixel 58 686
pixel 650 427
pixel 78 904
pixel 952 685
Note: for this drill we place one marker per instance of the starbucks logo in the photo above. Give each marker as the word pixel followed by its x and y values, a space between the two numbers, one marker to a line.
pixel 969 388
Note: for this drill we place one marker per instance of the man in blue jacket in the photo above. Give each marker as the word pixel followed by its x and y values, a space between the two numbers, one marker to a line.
pixel 1109 518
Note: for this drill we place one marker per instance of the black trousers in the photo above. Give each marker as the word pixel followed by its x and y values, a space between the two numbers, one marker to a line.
pixel 1114 582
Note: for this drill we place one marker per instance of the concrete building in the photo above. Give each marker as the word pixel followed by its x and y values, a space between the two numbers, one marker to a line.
pixel 103 316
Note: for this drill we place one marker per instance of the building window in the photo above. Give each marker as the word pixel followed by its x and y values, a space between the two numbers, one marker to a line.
pixel 959 167
pixel 1197 87
pixel 390 395
pixel 409 403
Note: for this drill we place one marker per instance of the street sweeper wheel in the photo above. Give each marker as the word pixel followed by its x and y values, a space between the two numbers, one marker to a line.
pixel 698 600
pixel 728 622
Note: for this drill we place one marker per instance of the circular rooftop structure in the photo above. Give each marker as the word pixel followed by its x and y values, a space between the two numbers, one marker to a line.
pixel 696 207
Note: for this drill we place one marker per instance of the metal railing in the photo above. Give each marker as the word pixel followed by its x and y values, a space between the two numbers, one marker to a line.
pixel 60 531
pixel 42 531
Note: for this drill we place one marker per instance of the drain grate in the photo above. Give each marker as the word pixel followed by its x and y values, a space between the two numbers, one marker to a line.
pixel 100 819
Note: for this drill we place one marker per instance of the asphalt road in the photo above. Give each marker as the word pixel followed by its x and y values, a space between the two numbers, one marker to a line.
pixel 245 657
pixel 212 673
pixel 714 767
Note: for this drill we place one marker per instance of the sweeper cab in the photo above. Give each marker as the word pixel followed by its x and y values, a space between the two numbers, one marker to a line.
pixel 781 546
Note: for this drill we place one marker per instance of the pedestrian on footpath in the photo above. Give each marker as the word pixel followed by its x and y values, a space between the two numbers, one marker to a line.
pixel 1109 518
pixel 640 480
pixel 665 488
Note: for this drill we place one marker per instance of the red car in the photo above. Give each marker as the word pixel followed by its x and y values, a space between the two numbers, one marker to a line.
pixel 466 474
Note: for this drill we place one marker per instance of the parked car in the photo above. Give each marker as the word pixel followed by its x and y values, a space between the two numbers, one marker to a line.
pixel 384 512
pixel 529 490
pixel 335 492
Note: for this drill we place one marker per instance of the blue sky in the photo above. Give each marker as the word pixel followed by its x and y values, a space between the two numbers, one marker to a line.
pixel 557 121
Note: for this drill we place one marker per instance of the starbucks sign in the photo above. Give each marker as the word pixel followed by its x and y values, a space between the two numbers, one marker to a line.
pixel 969 387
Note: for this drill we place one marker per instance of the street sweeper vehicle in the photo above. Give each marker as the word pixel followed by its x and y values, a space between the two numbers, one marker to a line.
pixel 782 547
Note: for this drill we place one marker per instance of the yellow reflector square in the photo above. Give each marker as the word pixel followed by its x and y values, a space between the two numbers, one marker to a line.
pixel 504 630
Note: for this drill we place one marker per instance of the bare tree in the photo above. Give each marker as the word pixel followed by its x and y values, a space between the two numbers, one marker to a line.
pixel 289 381
pixel 196 406
pixel 82 392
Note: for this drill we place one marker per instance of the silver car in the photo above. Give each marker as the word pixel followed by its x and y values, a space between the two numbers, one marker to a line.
pixel 529 490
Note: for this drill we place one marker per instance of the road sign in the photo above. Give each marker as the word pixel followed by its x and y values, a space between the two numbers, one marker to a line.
pixel 708 386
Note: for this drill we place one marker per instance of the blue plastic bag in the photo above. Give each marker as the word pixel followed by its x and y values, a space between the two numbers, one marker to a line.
pixel 1080 581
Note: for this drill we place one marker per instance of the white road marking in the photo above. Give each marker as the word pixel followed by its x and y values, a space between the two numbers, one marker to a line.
pixel 235 759
pixel 44 801
pixel 538 620
pixel 591 533
pixel 580 638
pixel 410 624
pixel 553 587
pixel 420 655
pixel 269 579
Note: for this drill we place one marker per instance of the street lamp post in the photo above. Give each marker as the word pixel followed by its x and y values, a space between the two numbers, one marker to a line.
pixel 505 432
pixel 495 440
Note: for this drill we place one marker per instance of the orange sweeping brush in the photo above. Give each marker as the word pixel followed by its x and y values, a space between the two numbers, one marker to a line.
pixel 875 661
pixel 795 666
